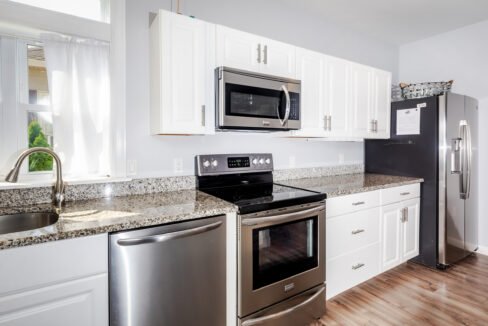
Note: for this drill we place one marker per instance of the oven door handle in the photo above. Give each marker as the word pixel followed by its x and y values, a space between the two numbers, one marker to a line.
pixel 260 320
pixel 281 217
pixel 287 107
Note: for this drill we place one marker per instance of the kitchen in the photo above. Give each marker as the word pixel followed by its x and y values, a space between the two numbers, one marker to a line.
pixel 171 162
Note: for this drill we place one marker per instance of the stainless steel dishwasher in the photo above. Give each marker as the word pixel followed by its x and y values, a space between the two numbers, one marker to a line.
pixel 172 275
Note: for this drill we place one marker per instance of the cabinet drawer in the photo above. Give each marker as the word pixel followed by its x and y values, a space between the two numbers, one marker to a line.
pixel 396 194
pixel 349 270
pixel 352 203
pixel 353 231
pixel 52 262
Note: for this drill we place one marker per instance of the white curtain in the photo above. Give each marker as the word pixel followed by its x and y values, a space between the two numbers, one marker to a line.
pixel 79 85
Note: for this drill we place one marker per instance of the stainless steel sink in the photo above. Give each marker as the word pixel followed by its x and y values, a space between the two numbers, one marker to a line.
pixel 26 221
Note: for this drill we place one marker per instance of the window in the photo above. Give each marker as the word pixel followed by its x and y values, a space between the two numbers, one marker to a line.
pixel 55 89
pixel 98 10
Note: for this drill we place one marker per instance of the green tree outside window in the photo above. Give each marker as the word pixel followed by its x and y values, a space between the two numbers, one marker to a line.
pixel 38 161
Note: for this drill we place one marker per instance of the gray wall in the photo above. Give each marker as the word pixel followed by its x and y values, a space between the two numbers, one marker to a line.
pixel 283 20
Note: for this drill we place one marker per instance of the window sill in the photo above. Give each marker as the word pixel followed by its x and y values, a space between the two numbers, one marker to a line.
pixel 23 184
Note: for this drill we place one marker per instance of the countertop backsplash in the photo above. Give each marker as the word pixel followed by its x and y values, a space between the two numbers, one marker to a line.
pixel 40 195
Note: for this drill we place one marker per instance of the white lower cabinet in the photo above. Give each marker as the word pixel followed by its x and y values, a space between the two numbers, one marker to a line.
pixel 76 303
pixel 368 233
pixel 400 233
pixel 57 283
pixel 351 269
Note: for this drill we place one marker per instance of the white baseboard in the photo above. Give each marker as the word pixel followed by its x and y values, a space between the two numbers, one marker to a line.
pixel 482 250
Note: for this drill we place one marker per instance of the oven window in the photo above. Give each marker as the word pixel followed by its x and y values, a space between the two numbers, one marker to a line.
pixel 284 250
pixel 247 101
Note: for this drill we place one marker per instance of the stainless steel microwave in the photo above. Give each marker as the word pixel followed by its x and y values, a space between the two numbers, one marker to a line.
pixel 252 101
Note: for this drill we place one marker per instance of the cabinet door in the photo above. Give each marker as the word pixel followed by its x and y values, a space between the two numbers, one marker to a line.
pixel 381 103
pixel 391 254
pixel 82 302
pixel 310 70
pixel 278 58
pixel 410 245
pixel 361 113
pixel 179 43
pixel 238 49
pixel 337 96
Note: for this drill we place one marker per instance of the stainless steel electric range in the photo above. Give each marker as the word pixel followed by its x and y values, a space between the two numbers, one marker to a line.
pixel 281 239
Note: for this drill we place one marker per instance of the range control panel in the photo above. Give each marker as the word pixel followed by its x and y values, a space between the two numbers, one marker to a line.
pixel 233 163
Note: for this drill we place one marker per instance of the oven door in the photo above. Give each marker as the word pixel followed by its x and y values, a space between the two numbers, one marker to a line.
pixel 253 101
pixel 281 254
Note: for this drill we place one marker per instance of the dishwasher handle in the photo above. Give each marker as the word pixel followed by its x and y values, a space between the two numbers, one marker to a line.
pixel 169 236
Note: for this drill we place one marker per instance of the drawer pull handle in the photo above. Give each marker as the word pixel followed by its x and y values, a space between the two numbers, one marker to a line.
pixel 404 193
pixel 357 266
pixel 358 203
pixel 357 231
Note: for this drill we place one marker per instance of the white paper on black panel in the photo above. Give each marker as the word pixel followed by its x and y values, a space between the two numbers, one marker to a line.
pixel 408 122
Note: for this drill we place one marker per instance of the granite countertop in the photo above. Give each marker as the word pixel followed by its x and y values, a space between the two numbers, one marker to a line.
pixel 340 185
pixel 88 217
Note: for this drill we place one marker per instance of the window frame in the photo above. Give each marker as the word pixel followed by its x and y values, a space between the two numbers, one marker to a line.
pixel 24 107
pixel 16 23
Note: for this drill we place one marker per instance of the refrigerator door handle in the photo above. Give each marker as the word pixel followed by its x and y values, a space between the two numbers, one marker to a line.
pixel 456 156
pixel 463 177
pixel 469 161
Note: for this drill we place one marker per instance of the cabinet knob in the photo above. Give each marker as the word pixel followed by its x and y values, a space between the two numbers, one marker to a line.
pixel 265 59
pixel 259 53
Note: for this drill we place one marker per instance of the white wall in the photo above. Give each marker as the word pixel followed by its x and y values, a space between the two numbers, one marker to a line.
pixel 460 55
pixel 272 18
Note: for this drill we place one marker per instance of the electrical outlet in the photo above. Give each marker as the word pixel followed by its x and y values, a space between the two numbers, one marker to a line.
pixel 178 165
pixel 341 158
pixel 131 167
pixel 292 161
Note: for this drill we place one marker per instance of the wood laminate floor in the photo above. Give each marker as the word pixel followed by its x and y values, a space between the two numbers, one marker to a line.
pixel 415 295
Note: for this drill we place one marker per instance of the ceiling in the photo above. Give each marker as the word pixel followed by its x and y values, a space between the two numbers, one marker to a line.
pixel 399 22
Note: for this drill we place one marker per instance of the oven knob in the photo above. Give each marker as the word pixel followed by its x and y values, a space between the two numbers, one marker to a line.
pixel 255 161
pixel 215 163
pixel 261 161
pixel 268 161
pixel 206 163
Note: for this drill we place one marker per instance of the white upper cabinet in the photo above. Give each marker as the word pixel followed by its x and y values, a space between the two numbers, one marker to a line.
pixel 381 104
pixel 238 49
pixel 361 112
pixel 251 52
pixel 181 70
pixel 371 102
pixel 311 71
pixel 278 58
pixel 337 97
pixel 341 99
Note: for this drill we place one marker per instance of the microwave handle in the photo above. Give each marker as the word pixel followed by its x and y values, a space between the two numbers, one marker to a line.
pixel 287 111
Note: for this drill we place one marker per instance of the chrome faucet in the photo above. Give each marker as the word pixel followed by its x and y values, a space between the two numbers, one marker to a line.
pixel 58 191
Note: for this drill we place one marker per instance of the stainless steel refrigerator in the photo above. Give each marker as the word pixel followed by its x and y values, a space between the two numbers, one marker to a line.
pixel 436 138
